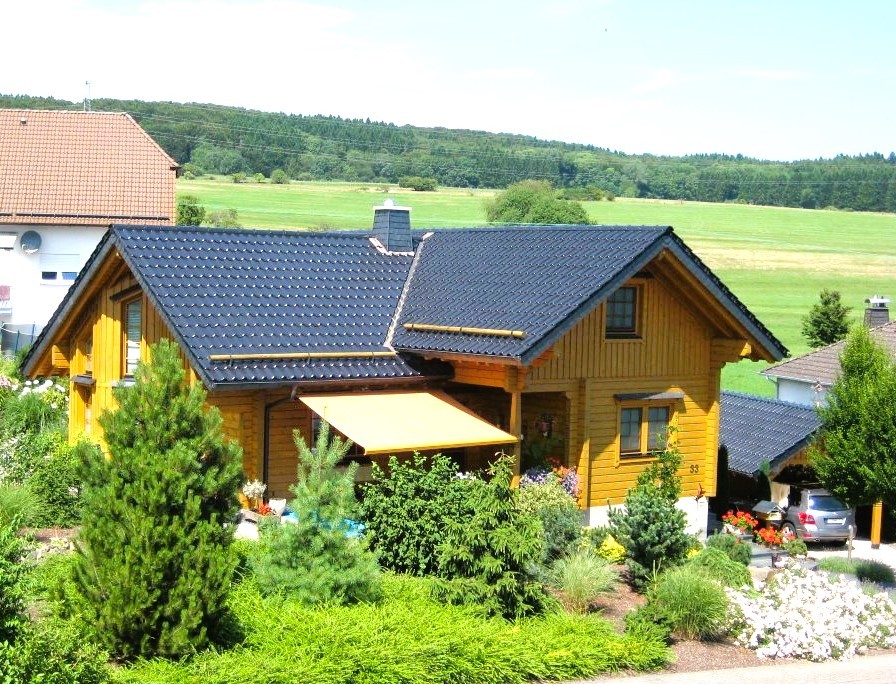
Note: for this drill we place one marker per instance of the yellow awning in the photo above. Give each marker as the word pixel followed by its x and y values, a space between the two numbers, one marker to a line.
pixel 392 422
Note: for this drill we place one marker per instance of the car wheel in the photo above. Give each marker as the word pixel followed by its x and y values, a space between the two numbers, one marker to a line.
pixel 788 530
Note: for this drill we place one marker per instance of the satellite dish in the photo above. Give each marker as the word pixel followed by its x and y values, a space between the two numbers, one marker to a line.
pixel 30 242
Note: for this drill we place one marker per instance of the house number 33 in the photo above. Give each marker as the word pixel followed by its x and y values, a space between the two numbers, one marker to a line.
pixel 695 469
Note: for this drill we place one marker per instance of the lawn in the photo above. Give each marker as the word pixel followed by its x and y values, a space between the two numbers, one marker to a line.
pixel 776 260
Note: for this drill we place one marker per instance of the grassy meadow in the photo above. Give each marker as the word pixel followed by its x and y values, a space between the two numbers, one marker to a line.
pixel 776 260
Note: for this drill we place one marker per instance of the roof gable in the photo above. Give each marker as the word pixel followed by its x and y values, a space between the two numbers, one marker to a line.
pixel 82 168
pixel 536 283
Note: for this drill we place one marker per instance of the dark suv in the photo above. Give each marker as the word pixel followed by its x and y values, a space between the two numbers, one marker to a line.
pixel 814 514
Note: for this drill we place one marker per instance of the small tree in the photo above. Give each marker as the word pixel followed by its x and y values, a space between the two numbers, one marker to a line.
pixel 189 211
pixel 536 202
pixel 228 218
pixel 279 177
pixel 855 453
pixel 154 563
pixel 489 558
pixel 651 526
pixel 826 321
pixel 317 559
pixel 12 605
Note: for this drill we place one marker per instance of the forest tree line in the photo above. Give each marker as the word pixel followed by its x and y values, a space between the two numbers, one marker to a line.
pixel 229 140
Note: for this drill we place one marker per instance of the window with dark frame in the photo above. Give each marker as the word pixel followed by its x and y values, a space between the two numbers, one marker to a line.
pixel 133 324
pixel 643 429
pixel 622 312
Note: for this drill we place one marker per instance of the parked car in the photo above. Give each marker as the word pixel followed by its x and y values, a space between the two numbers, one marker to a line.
pixel 814 514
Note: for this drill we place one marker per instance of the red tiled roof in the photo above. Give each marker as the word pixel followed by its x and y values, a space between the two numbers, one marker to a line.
pixel 82 168
pixel 823 366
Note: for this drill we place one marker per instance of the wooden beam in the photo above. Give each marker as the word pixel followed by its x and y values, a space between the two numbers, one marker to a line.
pixel 877 514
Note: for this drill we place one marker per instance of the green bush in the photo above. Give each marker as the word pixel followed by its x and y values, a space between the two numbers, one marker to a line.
pixel 795 548
pixel 408 637
pixel 57 484
pixel 190 212
pixel 11 582
pixel 581 578
pixel 417 183
pixel 874 571
pixel 227 218
pixel 407 507
pixel 489 559
pixel 154 563
pixel 693 605
pixel 716 564
pixel 651 526
pixel 559 514
pixel 837 564
pixel 52 652
pixel 315 560
pixel 279 177
pixel 735 549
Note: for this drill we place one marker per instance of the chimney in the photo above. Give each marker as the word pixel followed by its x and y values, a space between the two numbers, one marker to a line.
pixel 392 227
pixel 877 312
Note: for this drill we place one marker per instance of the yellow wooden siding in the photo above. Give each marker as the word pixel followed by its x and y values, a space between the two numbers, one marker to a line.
pixel 240 422
pixel 283 455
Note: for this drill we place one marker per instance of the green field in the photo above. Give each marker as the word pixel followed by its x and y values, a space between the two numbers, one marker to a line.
pixel 775 260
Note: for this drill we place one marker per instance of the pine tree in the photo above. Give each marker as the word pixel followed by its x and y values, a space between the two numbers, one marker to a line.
pixel 318 558
pixel 826 321
pixel 489 559
pixel 154 561
pixel 651 526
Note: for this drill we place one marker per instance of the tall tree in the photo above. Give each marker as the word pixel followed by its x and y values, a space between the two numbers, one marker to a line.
pixel 826 321
pixel 154 563
pixel 855 454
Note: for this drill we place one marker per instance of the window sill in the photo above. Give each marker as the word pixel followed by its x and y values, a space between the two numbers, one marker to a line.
pixel 622 337
pixel 124 382
pixel 639 455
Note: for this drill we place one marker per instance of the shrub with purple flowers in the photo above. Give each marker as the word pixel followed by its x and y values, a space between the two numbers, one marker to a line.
pixel 567 477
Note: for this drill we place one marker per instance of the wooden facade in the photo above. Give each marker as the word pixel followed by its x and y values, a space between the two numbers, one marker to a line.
pixel 581 383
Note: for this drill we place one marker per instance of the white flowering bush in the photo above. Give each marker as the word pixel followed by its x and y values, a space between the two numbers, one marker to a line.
pixel 52 391
pixel 811 615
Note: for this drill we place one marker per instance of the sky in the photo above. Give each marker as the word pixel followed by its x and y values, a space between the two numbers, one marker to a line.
pixel 777 79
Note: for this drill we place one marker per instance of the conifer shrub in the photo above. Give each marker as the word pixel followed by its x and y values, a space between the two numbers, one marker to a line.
pixel 406 508
pixel 650 526
pixel 558 512
pixel 318 558
pixel 736 549
pixel 489 558
pixel 154 565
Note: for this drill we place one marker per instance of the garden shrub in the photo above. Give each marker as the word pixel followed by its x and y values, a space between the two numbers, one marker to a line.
pixel 12 548
pixel 489 558
pixel 874 571
pixel 806 614
pixel 795 547
pixel 581 578
pixel 838 564
pixel 558 512
pixel 735 549
pixel 315 559
pixel 611 550
pixel 651 526
pixel 56 483
pixel 154 563
pixel 693 605
pixel 718 565
pixel 407 507
pixel 52 651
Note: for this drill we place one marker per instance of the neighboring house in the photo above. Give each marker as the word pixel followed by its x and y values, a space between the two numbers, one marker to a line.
pixel 807 379
pixel 757 429
pixel 584 341
pixel 65 177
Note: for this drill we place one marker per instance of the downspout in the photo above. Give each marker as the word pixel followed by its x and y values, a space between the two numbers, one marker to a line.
pixel 266 450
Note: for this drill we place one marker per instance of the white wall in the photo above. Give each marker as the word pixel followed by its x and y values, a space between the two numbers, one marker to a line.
pixel 798 392
pixel 33 300
pixel 696 515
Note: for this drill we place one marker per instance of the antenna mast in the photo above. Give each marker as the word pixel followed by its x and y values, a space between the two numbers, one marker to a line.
pixel 87 97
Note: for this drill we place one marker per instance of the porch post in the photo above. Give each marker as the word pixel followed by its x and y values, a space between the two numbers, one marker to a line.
pixel 877 512
pixel 516 429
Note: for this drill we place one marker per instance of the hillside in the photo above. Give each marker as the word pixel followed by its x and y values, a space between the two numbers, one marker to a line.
pixel 227 140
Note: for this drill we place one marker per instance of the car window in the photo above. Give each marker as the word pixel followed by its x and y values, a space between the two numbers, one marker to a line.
pixel 826 503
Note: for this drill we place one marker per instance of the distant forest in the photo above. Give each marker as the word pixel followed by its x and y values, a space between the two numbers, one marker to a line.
pixel 229 140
